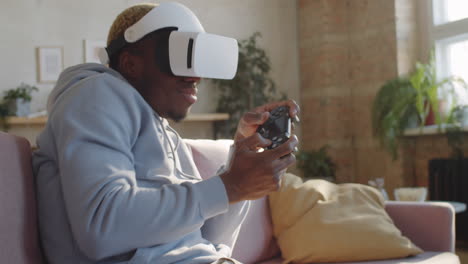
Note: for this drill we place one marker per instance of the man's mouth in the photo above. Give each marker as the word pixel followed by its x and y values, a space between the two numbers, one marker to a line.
pixel 190 94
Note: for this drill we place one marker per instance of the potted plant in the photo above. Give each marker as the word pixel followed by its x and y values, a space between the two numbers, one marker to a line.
pixel 407 102
pixel 316 164
pixel 429 89
pixel 252 86
pixel 4 112
pixel 459 115
pixel 16 102
pixel 19 99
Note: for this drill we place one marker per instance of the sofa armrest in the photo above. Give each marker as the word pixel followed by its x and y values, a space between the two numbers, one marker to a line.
pixel 429 225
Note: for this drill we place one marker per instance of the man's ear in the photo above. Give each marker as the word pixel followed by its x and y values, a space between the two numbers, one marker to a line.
pixel 131 65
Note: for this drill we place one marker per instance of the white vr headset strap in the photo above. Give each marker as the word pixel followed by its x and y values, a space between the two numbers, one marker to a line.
pixel 163 16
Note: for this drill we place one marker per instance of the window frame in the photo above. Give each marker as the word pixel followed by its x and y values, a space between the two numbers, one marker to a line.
pixel 438 36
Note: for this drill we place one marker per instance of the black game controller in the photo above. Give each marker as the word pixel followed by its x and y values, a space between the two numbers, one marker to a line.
pixel 277 128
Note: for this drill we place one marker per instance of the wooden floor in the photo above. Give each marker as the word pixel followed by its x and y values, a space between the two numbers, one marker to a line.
pixel 463 255
pixel 462 252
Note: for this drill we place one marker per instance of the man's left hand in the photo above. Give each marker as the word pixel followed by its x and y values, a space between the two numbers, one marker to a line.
pixel 250 121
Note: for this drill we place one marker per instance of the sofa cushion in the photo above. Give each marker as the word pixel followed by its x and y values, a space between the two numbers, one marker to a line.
pixel 255 241
pixel 423 258
pixel 19 242
pixel 318 221
pixel 272 261
pixel 427 257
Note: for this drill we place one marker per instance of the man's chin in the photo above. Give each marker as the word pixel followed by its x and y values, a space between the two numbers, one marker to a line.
pixel 177 117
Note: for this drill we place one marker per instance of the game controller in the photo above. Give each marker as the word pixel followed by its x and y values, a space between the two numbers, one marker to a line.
pixel 277 128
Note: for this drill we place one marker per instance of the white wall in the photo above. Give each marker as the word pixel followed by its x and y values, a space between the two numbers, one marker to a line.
pixel 26 24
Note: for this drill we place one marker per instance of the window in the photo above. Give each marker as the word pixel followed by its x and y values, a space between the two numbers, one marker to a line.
pixel 449 10
pixel 448 30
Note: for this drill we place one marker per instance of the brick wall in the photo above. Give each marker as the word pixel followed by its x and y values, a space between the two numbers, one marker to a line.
pixel 348 48
pixel 419 150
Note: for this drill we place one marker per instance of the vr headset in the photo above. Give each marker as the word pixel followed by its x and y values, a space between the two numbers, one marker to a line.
pixel 191 51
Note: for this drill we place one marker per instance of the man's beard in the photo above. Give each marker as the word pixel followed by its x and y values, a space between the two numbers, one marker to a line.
pixel 176 117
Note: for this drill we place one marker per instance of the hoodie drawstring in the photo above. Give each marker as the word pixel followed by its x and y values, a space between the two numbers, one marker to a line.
pixel 173 148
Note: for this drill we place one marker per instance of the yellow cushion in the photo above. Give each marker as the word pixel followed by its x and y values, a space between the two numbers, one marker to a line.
pixel 318 221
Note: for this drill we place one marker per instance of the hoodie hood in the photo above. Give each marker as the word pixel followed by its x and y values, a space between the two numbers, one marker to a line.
pixel 72 75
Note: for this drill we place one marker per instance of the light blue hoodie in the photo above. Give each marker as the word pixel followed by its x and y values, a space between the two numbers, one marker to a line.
pixel 116 184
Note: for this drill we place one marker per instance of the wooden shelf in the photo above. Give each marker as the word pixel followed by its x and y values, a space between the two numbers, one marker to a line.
pixel 430 130
pixel 25 121
pixel 207 117
pixel 42 120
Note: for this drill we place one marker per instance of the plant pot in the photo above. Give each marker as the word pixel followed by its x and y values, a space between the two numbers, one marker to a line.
pixel 19 107
pixel 413 122
pixel 414 194
pixel 461 115
pixel 464 119
pixel 430 118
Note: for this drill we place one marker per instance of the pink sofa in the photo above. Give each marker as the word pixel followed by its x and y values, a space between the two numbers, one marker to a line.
pixel 429 225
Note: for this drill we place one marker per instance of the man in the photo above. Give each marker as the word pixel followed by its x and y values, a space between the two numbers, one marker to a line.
pixel 116 184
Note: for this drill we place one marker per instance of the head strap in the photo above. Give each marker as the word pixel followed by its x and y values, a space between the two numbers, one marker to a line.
pixel 165 15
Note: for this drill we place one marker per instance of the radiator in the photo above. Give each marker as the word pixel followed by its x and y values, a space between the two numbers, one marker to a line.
pixel 448 181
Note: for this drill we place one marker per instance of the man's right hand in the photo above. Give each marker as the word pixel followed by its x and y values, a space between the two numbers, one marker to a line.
pixel 252 174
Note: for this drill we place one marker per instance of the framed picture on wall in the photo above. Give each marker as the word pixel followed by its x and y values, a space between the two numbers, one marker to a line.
pixel 91 50
pixel 49 63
